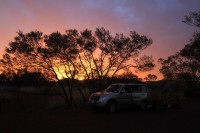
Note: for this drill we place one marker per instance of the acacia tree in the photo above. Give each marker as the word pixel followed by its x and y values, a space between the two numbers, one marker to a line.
pixel 87 47
pixel 6 67
pixel 127 77
pixel 180 66
pixel 64 50
pixel 103 55
pixel 70 55
pixel 48 54
pixel 150 77
pixel 186 63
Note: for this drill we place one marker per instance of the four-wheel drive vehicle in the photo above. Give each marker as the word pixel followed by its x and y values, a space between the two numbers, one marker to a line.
pixel 121 95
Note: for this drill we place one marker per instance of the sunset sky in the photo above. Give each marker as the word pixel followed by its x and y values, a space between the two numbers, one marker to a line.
pixel 160 20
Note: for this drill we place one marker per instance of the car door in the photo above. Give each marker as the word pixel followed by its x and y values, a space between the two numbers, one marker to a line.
pixel 125 96
pixel 137 94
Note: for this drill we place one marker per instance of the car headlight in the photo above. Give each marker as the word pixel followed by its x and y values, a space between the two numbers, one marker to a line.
pixel 102 98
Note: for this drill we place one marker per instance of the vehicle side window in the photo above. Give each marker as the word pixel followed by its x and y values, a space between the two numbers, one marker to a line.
pixel 127 89
pixel 144 89
pixel 136 89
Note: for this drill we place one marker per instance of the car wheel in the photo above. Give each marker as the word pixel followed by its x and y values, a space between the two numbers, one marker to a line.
pixel 111 107
pixel 143 105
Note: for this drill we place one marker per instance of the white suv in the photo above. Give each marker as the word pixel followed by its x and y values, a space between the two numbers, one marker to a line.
pixel 121 95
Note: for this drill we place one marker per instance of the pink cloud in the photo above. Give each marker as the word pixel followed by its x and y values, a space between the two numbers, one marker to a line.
pixel 158 19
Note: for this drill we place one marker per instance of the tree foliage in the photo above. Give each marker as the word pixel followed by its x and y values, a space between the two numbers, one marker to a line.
pixel 74 54
pixel 103 55
pixel 150 77
pixel 193 19
pixel 185 64
pixel 127 77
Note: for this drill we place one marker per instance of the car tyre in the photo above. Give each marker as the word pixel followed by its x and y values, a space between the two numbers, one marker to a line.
pixel 111 107
pixel 143 105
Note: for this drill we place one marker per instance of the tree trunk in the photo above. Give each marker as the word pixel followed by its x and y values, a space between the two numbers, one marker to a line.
pixel 82 94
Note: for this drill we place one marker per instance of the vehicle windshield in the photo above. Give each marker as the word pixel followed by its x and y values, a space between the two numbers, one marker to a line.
pixel 113 88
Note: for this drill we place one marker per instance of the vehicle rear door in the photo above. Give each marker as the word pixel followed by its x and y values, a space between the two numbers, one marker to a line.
pixel 125 96
pixel 138 93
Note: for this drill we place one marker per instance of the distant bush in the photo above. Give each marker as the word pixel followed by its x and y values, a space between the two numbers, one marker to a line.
pixel 4 96
pixel 193 90
pixel 168 91
pixel 24 79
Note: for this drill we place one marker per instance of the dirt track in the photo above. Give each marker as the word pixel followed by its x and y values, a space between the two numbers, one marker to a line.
pixel 86 120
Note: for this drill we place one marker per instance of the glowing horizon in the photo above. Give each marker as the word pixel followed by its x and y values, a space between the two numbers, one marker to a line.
pixel 160 20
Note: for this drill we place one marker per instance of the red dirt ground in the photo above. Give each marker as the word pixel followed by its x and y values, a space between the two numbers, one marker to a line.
pixel 85 120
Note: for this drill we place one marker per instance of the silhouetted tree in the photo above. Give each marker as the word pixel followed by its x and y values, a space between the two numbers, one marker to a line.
pixel 184 76
pixel 177 66
pixel 30 78
pixel 193 19
pixel 64 49
pixel 34 52
pixel 186 63
pixel 127 77
pixel 144 63
pixel 102 55
pixel 71 55
pixel 3 78
pixel 7 67
pixel 150 77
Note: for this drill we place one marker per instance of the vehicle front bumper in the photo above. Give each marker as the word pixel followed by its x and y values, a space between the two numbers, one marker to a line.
pixel 97 103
